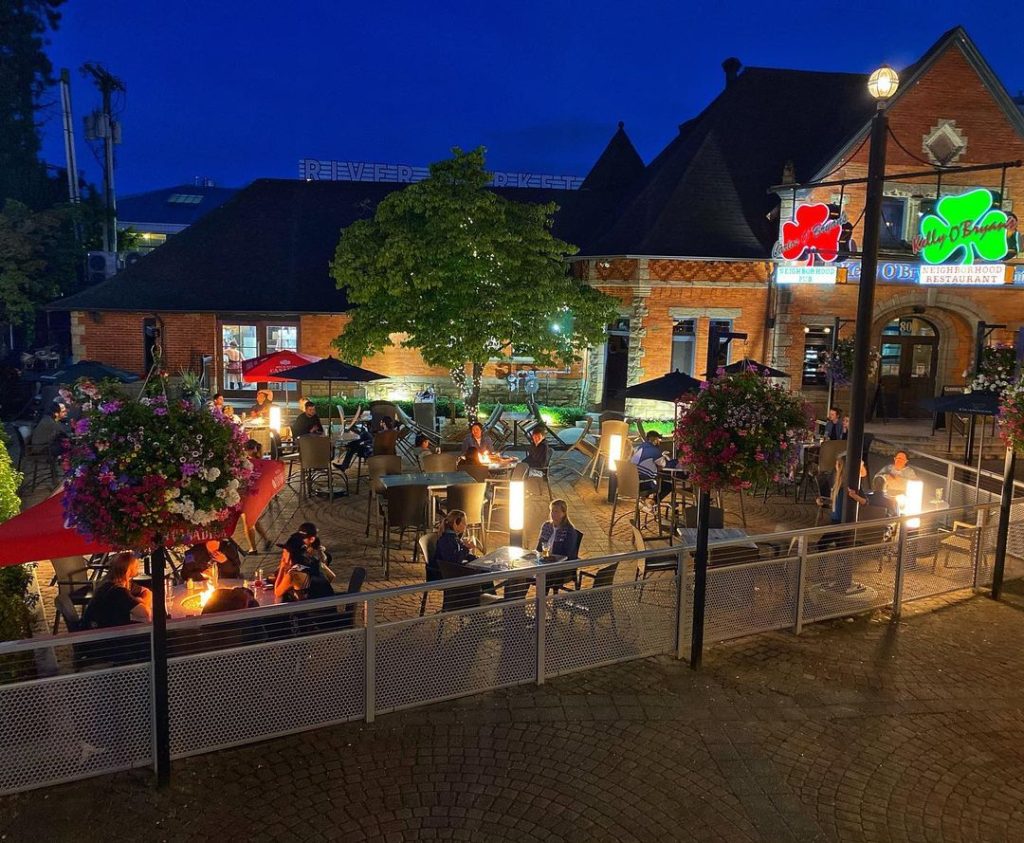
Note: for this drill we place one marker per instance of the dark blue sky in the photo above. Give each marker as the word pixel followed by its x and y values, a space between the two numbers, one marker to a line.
pixel 241 90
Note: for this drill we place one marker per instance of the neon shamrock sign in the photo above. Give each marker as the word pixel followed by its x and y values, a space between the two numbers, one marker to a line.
pixel 964 228
pixel 815 231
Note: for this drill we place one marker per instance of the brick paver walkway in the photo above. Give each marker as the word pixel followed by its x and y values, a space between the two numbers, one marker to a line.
pixel 855 730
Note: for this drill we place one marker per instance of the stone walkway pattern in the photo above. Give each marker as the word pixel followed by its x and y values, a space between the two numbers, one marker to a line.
pixel 855 730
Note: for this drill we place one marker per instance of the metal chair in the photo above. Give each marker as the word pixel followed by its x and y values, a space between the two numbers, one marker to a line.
pixel 72 576
pixel 583 445
pixel 385 443
pixel 355 585
pixel 377 468
pixel 37 451
pixel 405 507
pixel 592 606
pixel 651 565
pixel 471 499
pixel 380 409
pixel 431 463
pixel 315 459
pixel 960 542
pixel 428 548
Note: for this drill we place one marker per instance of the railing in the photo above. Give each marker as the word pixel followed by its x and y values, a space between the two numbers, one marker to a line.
pixel 78 705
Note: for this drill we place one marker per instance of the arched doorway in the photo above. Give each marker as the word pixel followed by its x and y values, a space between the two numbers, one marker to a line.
pixel 909 357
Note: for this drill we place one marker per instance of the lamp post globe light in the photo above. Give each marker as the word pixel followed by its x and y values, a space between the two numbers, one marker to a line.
pixel 882 85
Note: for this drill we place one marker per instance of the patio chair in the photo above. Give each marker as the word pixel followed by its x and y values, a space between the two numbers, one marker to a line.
pixel 583 445
pixel 470 498
pixel 355 585
pixel 880 530
pixel 385 443
pixel 15 444
pixel 414 427
pixel 431 463
pixel 405 507
pixel 960 542
pixel 377 467
pixel 66 611
pixel 455 597
pixel 627 489
pixel 651 565
pixel 39 451
pixel 315 459
pixel 71 575
pixel 545 474
pixel 380 409
pixel 428 549
pixel 589 604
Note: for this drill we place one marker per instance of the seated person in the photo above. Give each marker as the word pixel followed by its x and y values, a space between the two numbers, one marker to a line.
pixel 307 422
pixel 224 554
pixel 230 600
pixel 877 497
pixel 558 536
pixel 264 401
pixel 217 401
pixel 118 601
pixel 452 543
pixel 538 453
pixel 296 559
pixel 476 438
pixel 420 448
pixel 317 557
pixel 303 586
pixel 52 430
pixel 363 446
pixel 833 427
pixel 648 458
pixel 897 473
pixel 230 414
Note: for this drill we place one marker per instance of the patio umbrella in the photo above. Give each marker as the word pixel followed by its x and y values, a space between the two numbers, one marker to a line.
pixel 265 368
pixel 87 369
pixel 746 365
pixel 330 369
pixel 40 532
pixel 670 387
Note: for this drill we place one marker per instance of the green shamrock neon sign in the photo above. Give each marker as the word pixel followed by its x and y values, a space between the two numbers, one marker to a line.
pixel 964 226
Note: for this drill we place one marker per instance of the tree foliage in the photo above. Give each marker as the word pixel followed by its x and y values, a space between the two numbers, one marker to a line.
pixel 465 275
pixel 34 259
pixel 25 75
pixel 14 580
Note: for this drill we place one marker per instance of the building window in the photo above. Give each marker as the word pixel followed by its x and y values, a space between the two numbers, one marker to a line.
pixel 684 343
pixel 816 340
pixel 725 349
pixel 243 341
pixel 894 212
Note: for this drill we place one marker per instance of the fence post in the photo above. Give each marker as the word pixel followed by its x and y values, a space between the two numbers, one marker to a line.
pixel 370 661
pixel 540 622
pixel 897 588
pixel 978 542
pixel 680 603
pixel 801 584
pixel 950 470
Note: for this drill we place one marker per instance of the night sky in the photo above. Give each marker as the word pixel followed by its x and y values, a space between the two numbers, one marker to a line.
pixel 241 90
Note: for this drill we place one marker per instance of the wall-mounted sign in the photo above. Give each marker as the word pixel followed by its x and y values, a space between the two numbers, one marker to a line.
pixel 315 169
pixel 806 274
pixel 964 228
pixel 814 231
pixel 975 275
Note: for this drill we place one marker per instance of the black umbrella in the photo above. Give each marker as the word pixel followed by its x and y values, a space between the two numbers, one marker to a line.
pixel 747 365
pixel 967 403
pixel 330 369
pixel 670 387
pixel 88 369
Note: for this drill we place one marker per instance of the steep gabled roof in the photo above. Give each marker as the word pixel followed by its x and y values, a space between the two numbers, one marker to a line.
pixel 268 249
pixel 705 193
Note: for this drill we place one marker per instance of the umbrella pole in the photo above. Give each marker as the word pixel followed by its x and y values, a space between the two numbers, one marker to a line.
pixel 160 706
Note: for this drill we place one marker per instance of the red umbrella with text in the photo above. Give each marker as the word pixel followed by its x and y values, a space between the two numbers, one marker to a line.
pixel 266 367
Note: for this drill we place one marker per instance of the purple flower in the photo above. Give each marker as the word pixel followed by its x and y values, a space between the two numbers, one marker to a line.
pixel 160 411
pixel 81 427
pixel 108 407
pixel 188 469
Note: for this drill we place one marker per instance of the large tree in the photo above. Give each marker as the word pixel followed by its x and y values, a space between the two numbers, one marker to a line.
pixel 36 259
pixel 25 76
pixel 464 276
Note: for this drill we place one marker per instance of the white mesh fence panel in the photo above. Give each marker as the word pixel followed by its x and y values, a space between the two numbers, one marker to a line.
pixel 611 623
pixel 848 580
pixel 71 727
pixel 744 599
pixel 250 693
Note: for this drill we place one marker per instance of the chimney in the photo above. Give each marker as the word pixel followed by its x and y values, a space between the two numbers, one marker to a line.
pixel 731 66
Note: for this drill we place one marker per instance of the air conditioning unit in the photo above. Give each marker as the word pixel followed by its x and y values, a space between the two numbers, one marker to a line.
pixel 99 266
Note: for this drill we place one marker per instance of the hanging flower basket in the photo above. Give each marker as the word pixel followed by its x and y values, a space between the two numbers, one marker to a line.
pixel 139 470
pixel 1011 416
pixel 739 431
pixel 996 369
pixel 837 366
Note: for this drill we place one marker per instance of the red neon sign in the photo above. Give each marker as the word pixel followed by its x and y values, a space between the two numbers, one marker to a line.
pixel 813 232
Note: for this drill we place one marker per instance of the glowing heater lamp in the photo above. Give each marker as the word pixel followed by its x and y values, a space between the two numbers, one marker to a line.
pixel 275 419
pixel 516 512
pixel 614 452
pixel 914 499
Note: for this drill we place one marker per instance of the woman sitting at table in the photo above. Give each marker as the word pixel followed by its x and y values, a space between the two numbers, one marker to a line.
pixel 318 559
pixel 558 536
pixel 118 601
pixel 476 438
pixel 293 555
pixel 452 543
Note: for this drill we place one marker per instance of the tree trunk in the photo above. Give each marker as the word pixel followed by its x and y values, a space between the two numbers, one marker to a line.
pixel 473 401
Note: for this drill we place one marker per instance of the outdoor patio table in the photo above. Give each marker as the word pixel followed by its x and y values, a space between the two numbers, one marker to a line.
pixel 185 602
pixel 510 558
pixel 715 534
pixel 433 479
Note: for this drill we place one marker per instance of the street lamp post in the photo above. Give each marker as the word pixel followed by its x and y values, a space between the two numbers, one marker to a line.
pixel 882 85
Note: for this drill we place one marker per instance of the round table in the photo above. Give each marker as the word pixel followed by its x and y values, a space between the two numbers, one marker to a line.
pixel 185 602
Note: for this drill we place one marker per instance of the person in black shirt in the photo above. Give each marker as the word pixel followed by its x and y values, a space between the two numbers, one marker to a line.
pixel 538 453
pixel 307 421
pixel 223 554
pixel 451 546
pixel 833 427
pixel 117 601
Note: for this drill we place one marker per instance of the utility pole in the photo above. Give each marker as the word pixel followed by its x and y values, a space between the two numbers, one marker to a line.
pixel 74 196
pixel 103 126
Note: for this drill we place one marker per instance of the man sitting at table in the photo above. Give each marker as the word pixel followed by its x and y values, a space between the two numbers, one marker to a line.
pixel 538 453
pixel 307 421
pixel 834 427
pixel 200 557
pixel 264 401
pixel 648 459
pixel 897 473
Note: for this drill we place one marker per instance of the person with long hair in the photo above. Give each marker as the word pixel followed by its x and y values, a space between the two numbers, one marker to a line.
pixel 558 536
pixel 316 552
pixel 452 544
pixel 118 601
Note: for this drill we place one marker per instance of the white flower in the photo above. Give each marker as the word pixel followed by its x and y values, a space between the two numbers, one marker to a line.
pixel 212 474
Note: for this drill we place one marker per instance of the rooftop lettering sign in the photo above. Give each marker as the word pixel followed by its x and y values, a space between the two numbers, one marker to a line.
pixel 315 169
pixel 814 231
pixel 964 228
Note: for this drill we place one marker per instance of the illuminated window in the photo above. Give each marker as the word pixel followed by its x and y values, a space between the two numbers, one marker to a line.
pixel 684 342
pixel 816 340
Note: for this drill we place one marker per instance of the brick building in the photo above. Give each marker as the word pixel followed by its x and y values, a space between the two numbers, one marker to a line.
pixel 681 242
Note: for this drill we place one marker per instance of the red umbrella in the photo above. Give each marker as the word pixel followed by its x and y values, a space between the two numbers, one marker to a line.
pixel 265 367
pixel 39 531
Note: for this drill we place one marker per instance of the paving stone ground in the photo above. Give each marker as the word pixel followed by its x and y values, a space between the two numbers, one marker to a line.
pixel 865 729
